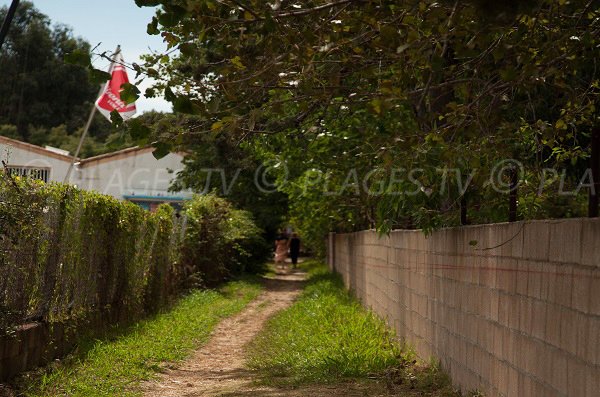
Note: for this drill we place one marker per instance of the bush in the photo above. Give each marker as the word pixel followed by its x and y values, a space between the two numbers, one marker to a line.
pixel 220 241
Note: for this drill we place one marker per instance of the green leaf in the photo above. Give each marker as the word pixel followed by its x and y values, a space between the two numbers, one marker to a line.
pixel 183 104
pixel 161 149
pixel 217 126
pixel 168 20
pixel 150 93
pixel 376 105
pixel 151 72
pixel 152 28
pixel 138 130
pixel 171 17
pixel 147 3
pixel 237 62
pixel 169 95
pixel 560 125
pixel 187 49
pixel 129 93
pixel 97 76
pixel 116 119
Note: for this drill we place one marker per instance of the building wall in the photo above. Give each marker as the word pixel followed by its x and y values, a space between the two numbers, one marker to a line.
pixel 125 174
pixel 509 309
pixel 139 174
pixel 29 156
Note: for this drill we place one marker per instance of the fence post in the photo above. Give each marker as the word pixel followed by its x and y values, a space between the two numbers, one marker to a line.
pixel 58 211
pixel 595 167
pixel 331 251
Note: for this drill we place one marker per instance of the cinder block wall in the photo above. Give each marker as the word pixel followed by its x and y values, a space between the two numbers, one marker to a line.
pixel 509 309
pixel 36 344
pixel 32 345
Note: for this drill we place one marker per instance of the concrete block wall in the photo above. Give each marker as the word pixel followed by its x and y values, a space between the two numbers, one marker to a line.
pixel 32 345
pixel 508 309
pixel 36 344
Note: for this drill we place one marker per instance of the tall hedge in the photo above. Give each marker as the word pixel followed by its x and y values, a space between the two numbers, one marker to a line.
pixel 68 254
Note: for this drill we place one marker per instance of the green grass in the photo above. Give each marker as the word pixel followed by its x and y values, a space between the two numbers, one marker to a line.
pixel 327 336
pixel 115 367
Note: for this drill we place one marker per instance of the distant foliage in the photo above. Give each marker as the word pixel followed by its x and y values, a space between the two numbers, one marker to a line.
pixel 218 162
pixel 220 241
pixel 43 100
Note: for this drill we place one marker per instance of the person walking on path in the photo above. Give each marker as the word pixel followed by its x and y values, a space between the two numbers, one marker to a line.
pixel 281 249
pixel 294 249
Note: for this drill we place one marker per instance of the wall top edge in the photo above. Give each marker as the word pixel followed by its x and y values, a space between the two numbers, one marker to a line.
pixel 487 225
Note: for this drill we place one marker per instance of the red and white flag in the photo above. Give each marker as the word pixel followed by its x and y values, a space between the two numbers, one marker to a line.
pixel 111 96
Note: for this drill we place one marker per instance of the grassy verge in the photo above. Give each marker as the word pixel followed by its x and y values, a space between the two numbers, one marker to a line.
pixel 327 336
pixel 115 366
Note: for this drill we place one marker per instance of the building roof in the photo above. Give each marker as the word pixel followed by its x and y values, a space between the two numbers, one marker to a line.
pixel 36 149
pixel 119 154
pixel 112 156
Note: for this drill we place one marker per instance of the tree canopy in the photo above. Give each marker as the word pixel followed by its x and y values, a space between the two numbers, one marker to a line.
pixel 337 87
pixel 262 67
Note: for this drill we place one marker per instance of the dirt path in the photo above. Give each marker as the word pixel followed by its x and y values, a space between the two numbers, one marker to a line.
pixel 218 368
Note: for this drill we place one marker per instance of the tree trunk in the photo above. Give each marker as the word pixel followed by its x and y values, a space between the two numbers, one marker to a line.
pixel 595 167
pixel 512 203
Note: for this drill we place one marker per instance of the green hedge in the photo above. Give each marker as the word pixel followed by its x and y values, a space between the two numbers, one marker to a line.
pixel 221 241
pixel 68 254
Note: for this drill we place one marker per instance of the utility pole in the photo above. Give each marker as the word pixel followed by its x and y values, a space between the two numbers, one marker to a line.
pixel 7 21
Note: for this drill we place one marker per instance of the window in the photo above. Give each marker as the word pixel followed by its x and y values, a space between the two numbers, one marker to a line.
pixel 41 173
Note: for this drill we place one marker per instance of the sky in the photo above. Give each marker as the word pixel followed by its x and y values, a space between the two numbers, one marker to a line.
pixel 111 23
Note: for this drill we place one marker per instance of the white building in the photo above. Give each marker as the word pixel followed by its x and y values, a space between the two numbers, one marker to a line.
pixel 131 174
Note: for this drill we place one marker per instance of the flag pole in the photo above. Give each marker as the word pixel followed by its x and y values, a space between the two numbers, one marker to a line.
pixel 90 119
pixel 8 20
